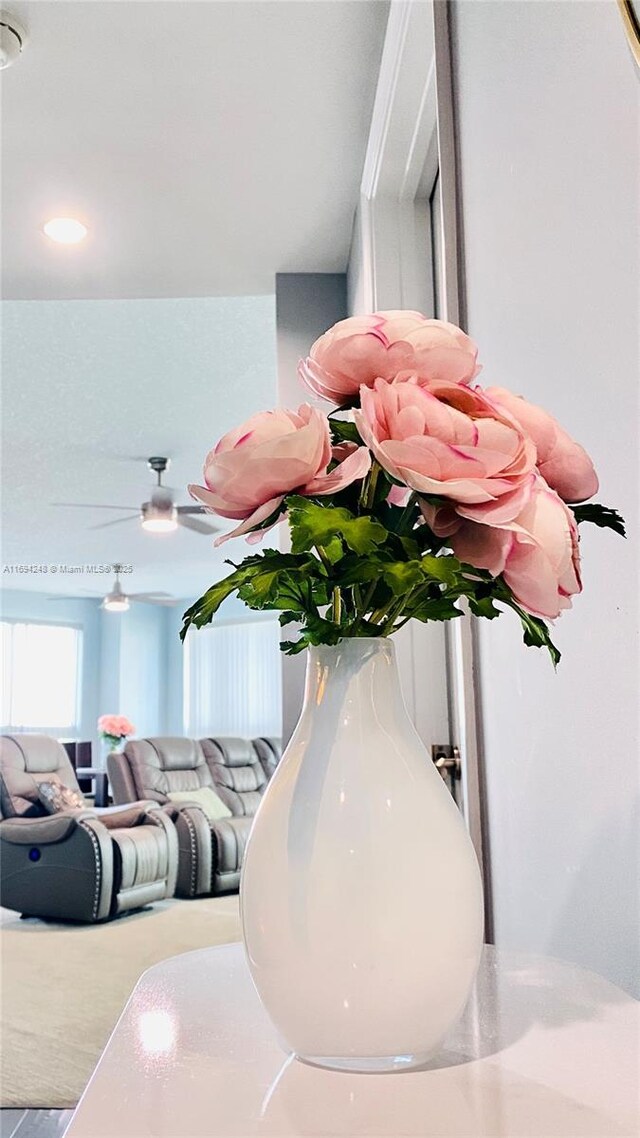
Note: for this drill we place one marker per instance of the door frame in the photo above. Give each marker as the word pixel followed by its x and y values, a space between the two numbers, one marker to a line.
pixel 411 141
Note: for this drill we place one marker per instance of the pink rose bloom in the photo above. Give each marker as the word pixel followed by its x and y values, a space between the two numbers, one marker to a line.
pixel 273 454
pixel 562 462
pixel 362 349
pixel 447 440
pixel 117 725
pixel 536 552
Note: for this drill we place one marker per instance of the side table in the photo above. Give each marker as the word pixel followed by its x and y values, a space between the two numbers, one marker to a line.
pixel 100 780
pixel 545 1050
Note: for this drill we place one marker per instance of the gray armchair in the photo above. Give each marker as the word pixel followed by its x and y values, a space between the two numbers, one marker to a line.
pixel 211 852
pixel 269 751
pixel 83 865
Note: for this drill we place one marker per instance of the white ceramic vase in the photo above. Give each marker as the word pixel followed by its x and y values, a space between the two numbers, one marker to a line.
pixel 361 895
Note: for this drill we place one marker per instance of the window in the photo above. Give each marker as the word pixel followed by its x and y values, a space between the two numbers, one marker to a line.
pixel 41 669
pixel 233 680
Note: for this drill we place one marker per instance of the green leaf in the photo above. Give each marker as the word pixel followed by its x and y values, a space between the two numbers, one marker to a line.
pixel 439 608
pixel 601 516
pixel 202 612
pixel 359 570
pixel 402 576
pixel 313 525
pixel 333 550
pixel 288 617
pixel 292 647
pixel 536 635
pixel 483 606
pixel 342 431
pixel 260 588
pixel 446 568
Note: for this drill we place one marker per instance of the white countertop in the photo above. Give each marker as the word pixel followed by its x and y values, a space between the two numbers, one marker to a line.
pixel 545 1050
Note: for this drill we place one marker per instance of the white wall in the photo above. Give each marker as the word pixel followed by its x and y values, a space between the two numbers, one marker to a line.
pixel 306 305
pixel 548 133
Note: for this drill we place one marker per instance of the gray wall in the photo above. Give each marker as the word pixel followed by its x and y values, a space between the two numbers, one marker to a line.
pixel 306 305
pixel 549 167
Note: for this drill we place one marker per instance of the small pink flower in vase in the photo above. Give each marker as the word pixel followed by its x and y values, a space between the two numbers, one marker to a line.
pixel 114 729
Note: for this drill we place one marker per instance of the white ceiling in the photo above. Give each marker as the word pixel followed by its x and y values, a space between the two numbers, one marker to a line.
pixel 93 388
pixel 206 145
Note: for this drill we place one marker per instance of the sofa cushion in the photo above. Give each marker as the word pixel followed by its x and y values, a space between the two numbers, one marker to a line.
pixel 205 798
pixel 236 772
pixel 162 764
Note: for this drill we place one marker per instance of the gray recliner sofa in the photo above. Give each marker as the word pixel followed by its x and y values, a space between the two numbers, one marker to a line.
pixel 81 864
pixel 211 853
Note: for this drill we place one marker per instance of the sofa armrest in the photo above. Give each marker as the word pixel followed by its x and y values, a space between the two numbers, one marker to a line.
pixel 123 787
pixel 195 852
pixel 126 816
pixel 43 831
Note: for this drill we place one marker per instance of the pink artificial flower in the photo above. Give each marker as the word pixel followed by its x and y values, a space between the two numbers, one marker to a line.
pixel 536 552
pixel 562 462
pixel 447 440
pixel 117 725
pixel 361 349
pixel 273 454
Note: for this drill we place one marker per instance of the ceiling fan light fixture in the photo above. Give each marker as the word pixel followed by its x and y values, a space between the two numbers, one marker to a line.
pixel 115 602
pixel 159 519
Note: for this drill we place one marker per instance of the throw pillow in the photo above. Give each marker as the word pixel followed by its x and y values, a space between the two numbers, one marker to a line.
pixel 206 799
pixel 56 797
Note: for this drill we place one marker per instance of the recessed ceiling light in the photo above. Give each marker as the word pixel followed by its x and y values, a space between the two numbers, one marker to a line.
pixel 65 230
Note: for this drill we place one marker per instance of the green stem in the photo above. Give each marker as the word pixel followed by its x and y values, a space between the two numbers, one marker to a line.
pixel 378 614
pixel 368 492
pixel 336 605
pixel 362 606
pixel 322 554
pixel 394 612
pixel 406 514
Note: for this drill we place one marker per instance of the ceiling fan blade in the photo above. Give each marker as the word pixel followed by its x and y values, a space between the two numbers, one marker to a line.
pixel 196 524
pixel 149 600
pixel 192 509
pixel 95 506
pixel 115 522
pixel 150 596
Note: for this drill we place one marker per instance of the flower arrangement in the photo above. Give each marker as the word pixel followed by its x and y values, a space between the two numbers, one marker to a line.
pixel 418 490
pixel 114 728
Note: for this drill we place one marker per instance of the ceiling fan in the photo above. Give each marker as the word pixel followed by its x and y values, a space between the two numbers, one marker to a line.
pixel 118 601
pixel 160 514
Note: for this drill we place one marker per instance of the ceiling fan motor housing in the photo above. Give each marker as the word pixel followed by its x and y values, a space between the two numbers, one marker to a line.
pixel 158 464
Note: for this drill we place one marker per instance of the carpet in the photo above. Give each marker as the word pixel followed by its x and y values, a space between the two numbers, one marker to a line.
pixel 63 988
